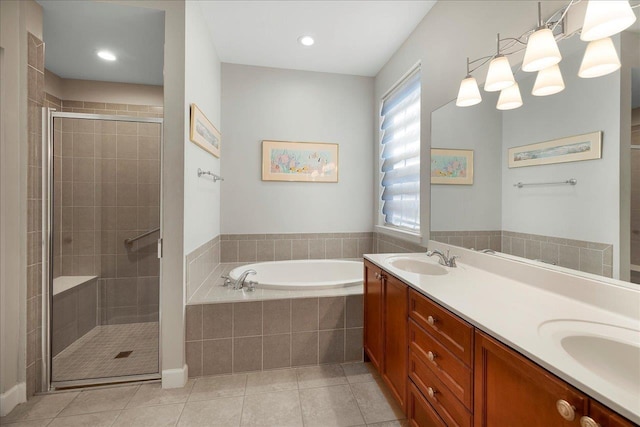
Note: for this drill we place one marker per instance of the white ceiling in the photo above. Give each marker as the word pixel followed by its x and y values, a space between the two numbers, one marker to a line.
pixel 352 37
pixel 75 30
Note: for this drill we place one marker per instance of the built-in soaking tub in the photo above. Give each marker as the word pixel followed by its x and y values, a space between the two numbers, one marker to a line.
pixel 303 274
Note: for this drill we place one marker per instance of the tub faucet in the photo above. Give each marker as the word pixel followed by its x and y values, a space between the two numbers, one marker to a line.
pixel 444 259
pixel 239 283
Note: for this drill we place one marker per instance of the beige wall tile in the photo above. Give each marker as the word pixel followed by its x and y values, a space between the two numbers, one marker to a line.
pixel 304 314
pixel 591 261
pixel 276 317
pixel 354 311
pixel 333 249
pixel 247 319
pixel 194 358
pixel 300 249
pixel 282 250
pixel 331 312
pixel 277 351
pixel 247 250
pixel 304 348
pixel 317 249
pixel 331 346
pixel 217 320
pixel 569 256
pixel 265 250
pixel 247 354
pixel 353 345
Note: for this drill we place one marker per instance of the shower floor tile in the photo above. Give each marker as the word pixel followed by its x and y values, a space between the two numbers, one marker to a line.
pixel 94 355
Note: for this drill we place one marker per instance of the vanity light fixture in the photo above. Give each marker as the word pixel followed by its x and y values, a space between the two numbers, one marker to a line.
pixel 606 18
pixel 599 59
pixel 106 55
pixel 510 98
pixel 306 40
pixel 542 50
pixel 499 75
pixel 548 81
pixel 468 94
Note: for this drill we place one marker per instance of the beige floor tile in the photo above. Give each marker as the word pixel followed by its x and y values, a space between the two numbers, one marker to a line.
pixel 280 409
pixel 375 402
pixel 108 399
pixel 397 423
pixel 32 423
pixel 320 376
pixel 150 416
pixel 154 394
pixel 219 412
pixel 360 372
pixel 270 381
pixel 330 406
pixel 40 407
pixel 215 387
pixel 100 419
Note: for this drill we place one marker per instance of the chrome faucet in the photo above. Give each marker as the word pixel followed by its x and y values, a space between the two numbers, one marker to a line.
pixel 239 283
pixel 444 259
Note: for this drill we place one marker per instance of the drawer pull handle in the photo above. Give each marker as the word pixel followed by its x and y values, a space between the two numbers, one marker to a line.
pixel 432 356
pixel 377 275
pixel 431 320
pixel 588 422
pixel 566 410
pixel 431 392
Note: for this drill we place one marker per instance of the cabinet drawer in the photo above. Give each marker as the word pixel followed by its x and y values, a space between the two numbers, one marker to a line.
pixel 452 412
pixel 451 371
pixel 454 333
pixel 420 413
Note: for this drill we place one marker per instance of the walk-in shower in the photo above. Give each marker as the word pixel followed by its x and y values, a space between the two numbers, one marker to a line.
pixel 102 217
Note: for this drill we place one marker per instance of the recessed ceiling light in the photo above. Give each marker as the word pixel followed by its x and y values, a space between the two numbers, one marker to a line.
pixel 106 55
pixel 306 40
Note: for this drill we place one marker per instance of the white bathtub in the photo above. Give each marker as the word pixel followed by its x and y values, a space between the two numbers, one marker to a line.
pixel 303 274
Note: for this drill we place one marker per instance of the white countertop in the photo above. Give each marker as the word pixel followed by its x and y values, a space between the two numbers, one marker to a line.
pixel 524 316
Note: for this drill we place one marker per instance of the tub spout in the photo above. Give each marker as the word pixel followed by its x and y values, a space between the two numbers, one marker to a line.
pixel 239 284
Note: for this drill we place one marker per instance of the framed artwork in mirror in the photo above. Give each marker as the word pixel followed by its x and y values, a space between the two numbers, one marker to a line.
pixel 570 149
pixel 299 161
pixel 451 166
pixel 203 133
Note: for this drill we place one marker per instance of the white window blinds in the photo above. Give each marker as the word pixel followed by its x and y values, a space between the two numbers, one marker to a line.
pixel 400 154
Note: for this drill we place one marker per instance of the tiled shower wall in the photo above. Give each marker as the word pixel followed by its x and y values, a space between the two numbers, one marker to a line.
pixel 261 335
pixel 35 96
pixel 107 187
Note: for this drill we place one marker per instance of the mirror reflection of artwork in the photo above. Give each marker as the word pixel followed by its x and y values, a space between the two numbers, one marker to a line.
pixel 299 161
pixel 451 166
pixel 570 149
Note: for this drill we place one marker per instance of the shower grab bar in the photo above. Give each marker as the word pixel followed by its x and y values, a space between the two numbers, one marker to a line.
pixel 140 236
pixel 571 181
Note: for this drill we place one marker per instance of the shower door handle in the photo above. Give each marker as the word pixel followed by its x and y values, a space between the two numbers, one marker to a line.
pixel 159 248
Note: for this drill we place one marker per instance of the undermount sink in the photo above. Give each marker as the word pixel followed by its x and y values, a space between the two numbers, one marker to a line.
pixel 413 265
pixel 608 351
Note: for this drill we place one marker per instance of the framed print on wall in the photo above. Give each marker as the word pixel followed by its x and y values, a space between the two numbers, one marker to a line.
pixel 203 133
pixel 299 161
pixel 570 149
pixel 450 166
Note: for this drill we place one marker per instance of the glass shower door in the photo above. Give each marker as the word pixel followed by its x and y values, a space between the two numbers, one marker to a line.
pixel 105 268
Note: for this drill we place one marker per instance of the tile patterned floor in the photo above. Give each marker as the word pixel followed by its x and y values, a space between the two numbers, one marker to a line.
pixel 93 355
pixel 323 396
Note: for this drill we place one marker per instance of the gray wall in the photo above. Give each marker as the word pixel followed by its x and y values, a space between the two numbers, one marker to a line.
pixel 273 104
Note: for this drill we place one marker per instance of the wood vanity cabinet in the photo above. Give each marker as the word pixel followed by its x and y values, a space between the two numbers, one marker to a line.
pixel 385 328
pixel 444 372
pixel 511 390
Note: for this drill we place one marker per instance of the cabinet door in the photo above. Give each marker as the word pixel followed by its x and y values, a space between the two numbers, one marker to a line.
pixel 396 337
pixel 512 391
pixel 604 417
pixel 373 295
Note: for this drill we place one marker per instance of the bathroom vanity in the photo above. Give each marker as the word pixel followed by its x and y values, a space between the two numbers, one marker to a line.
pixel 467 347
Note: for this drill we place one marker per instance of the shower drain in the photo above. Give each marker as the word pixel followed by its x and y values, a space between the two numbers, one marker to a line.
pixel 123 354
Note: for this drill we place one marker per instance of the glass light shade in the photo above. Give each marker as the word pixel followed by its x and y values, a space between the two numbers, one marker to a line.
pixel 548 81
pixel 606 18
pixel 542 51
pixel 469 94
pixel 499 75
pixel 599 59
pixel 510 98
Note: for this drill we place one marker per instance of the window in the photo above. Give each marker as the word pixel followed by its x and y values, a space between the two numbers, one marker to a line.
pixel 400 154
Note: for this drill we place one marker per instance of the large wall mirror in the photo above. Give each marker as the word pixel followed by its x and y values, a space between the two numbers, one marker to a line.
pixel 591 226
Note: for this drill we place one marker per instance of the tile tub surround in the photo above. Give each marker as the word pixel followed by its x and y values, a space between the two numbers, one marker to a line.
pixel 224 338
pixel 201 263
pixel 281 247
pixel 351 394
pixel 491 239
pixel 589 257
